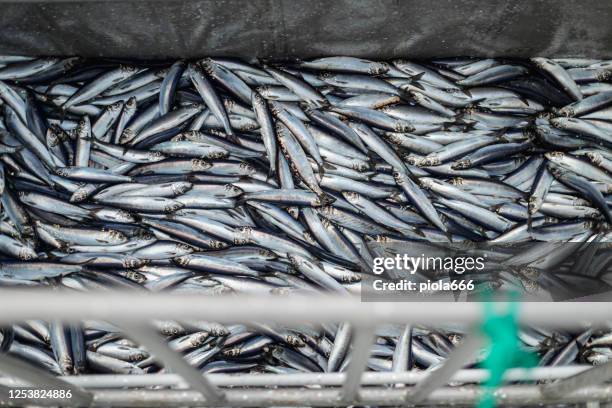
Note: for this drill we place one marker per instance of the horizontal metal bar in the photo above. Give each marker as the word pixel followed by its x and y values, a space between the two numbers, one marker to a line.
pixel 593 376
pixel 19 305
pixel 380 396
pixel 174 361
pixel 94 381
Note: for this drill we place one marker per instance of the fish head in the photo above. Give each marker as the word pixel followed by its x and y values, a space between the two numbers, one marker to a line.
pixel 200 165
pixel 217 244
pixel 155 156
pixel 220 154
pixel 136 276
pixel 294 212
pixel 429 161
pixel 378 68
pixel 181 187
pixel 257 97
pixel 52 138
pixel 131 103
pixel 594 157
pixel 455 338
pixel 246 166
pixel 128 69
pixel 173 206
pixel 554 156
pixel 426 182
pixel 133 262
pixel 604 75
pixel 351 196
pixel 233 189
pixel 229 103
pixel 324 76
pixel 403 126
pixel 62 171
pixel 115 235
pixel 184 247
pixel 199 338
pixel 461 164
pixel 294 340
pixel 181 260
pixel 243 235
pixel 124 216
pixel 567 111
pixel 127 135
pixel 231 352
pixel 207 65
pixel 534 204
pixel 276 109
pixel 266 253
pixel 26 253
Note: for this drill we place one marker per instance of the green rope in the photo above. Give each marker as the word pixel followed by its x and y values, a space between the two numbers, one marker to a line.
pixel 504 352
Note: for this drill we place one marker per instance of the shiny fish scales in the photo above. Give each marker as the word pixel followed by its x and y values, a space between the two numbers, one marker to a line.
pixel 308 160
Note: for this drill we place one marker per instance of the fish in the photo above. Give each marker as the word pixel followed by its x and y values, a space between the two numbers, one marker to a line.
pixel 219 176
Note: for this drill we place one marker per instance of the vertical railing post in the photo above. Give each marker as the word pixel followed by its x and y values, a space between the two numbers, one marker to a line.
pixel 362 339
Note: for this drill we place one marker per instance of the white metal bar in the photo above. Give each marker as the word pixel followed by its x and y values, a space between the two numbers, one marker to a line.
pixel 440 377
pixel 174 361
pixel 19 305
pixel 593 376
pixel 42 380
pixel 362 338
pixel 473 375
pixel 378 396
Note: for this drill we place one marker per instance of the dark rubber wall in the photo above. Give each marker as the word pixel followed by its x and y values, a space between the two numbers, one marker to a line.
pixel 281 28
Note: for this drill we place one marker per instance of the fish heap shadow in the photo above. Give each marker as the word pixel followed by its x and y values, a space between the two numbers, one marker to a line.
pixel 217 176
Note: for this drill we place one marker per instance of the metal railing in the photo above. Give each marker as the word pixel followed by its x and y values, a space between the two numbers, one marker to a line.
pixel 449 384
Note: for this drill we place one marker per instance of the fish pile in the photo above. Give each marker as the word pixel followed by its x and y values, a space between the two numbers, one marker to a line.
pixel 220 176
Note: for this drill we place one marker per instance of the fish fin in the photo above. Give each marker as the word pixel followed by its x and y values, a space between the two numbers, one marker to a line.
pixel 447 125
pixel 371 157
pixel 417 77
pixel 321 168
pixel 499 134
pixel 326 199
pixel 240 201
pixel 469 126
pixel 137 217
pixel 418 231
pixel 64 246
pixel 524 100
pixel 329 166
pixel 304 107
pixel 467 93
